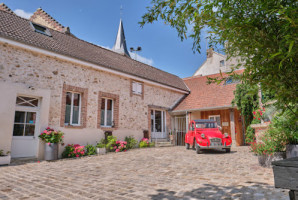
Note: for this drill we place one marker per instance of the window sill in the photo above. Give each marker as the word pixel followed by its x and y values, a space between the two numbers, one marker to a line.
pixel 107 128
pixel 72 126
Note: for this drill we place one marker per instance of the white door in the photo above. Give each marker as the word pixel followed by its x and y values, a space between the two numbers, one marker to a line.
pixel 25 136
pixel 158 124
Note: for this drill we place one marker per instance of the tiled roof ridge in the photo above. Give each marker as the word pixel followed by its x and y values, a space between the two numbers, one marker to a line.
pixel 210 75
pixel 59 32
pixel 47 18
pixel 5 8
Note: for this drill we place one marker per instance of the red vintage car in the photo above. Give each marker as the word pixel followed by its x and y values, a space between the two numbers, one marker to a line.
pixel 205 134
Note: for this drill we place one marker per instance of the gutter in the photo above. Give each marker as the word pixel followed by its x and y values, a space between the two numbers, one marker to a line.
pixel 204 109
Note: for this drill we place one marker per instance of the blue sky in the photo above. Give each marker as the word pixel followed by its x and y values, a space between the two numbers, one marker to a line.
pixel 97 21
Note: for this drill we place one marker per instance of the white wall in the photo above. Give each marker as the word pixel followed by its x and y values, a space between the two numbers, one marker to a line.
pixel 9 92
pixel 212 65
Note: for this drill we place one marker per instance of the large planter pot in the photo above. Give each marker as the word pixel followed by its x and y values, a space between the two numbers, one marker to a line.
pixel 292 150
pixel 5 160
pixel 101 151
pixel 51 151
pixel 265 160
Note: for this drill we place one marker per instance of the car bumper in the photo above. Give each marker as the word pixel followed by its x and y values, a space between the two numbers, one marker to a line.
pixel 216 147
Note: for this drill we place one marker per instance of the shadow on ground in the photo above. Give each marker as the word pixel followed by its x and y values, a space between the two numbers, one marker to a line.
pixel 214 151
pixel 214 192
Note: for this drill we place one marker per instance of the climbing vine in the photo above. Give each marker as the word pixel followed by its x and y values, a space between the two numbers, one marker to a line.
pixel 246 99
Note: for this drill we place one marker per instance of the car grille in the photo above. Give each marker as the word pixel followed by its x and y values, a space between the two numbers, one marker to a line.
pixel 215 140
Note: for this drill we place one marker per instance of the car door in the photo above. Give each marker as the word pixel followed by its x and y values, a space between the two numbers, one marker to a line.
pixel 192 132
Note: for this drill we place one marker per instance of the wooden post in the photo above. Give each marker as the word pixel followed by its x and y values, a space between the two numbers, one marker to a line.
pixel 232 122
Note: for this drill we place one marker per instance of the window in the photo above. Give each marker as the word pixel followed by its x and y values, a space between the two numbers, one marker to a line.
pixel 222 63
pixel 231 80
pixel 73 108
pixel 24 123
pixel 107 109
pixel 137 88
pixel 27 101
pixel 40 29
pixel 215 118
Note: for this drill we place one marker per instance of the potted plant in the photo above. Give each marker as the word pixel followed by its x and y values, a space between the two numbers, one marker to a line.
pixel 271 147
pixel 51 138
pixel 101 148
pixel 4 158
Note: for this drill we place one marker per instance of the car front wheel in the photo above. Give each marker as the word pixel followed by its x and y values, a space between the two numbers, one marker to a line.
pixel 198 149
pixel 187 145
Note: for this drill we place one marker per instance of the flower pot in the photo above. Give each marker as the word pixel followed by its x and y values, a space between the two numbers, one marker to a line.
pixel 51 151
pixel 5 160
pixel 265 160
pixel 292 150
pixel 101 151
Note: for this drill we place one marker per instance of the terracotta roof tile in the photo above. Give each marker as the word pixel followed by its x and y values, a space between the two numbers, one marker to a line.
pixel 19 29
pixel 204 96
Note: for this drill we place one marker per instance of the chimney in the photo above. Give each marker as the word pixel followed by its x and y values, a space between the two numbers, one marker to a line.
pixel 5 8
pixel 210 52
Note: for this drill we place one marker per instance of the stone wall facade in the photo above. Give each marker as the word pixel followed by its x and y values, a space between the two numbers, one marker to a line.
pixel 32 69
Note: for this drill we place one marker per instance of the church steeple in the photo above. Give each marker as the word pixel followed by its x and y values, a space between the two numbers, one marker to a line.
pixel 120 43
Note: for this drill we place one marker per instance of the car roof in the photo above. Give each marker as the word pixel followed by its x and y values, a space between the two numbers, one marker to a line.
pixel 204 120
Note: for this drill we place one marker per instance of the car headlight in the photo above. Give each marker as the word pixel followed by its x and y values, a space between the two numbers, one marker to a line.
pixel 226 135
pixel 202 135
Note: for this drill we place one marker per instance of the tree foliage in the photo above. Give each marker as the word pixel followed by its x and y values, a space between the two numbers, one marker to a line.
pixel 263 34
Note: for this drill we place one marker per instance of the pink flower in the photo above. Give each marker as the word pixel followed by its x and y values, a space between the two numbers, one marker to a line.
pixel 62 136
pixel 38 161
pixel 77 155
pixel 117 150
pixel 254 112
pixel 258 118
pixel 49 143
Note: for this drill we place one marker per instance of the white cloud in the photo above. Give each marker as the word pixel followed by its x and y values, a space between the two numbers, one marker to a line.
pixel 135 56
pixel 23 13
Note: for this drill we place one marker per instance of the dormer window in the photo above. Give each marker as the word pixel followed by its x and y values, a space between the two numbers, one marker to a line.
pixel 40 29
pixel 222 63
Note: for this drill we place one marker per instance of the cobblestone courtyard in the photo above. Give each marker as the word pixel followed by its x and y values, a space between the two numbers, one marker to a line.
pixel 155 173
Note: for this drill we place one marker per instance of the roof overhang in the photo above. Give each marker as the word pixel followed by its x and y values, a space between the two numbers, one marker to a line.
pixel 204 109
pixel 86 63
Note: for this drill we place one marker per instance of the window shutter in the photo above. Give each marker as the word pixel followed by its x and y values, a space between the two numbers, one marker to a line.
pixel 139 88
pixel 134 87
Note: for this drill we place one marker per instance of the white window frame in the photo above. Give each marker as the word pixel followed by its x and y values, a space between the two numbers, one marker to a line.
pixel 137 85
pixel 215 118
pixel 71 109
pixel 106 113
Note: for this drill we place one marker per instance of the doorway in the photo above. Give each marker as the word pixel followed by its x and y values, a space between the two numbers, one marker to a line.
pixel 25 136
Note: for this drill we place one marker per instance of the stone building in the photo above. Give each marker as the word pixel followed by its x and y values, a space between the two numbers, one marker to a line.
pixel 216 63
pixel 49 77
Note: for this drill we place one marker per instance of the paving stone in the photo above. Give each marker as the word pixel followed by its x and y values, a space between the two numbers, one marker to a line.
pixel 155 173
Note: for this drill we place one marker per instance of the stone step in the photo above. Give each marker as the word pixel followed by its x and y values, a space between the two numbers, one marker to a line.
pixel 163 144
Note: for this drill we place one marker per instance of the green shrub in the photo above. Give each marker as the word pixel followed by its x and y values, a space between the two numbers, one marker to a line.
pixel 111 142
pixel 100 145
pixel 143 144
pixel 90 150
pixel 250 135
pixel 131 142
pixel 151 144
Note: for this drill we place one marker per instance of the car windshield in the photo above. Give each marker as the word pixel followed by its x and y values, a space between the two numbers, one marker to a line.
pixel 206 125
